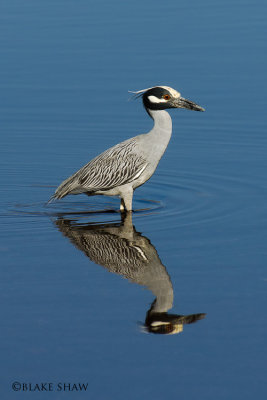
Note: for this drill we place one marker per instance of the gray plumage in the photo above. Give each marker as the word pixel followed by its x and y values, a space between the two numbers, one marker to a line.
pixel 99 174
pixel 122 168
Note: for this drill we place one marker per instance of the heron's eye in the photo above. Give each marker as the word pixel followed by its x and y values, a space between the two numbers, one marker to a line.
pixel 166 97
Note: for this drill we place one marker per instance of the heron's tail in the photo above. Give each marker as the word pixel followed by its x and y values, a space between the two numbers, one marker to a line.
pixel 69 186
pixel 52 198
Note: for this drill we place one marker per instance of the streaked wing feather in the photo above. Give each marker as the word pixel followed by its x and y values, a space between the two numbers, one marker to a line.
pixel 116 166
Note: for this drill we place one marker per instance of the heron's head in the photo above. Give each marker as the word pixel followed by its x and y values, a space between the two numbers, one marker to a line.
pixel 163 97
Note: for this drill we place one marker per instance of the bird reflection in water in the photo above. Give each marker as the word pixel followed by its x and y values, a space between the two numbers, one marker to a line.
pixel 121 250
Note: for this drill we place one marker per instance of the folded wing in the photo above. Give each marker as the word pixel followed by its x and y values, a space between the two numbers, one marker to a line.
pixel 117 166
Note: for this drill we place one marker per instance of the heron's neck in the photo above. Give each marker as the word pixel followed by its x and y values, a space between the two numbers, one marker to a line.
pixel 162 123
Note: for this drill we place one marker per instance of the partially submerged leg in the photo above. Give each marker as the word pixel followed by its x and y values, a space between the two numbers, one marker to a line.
pixel 122 206
pixel 126 200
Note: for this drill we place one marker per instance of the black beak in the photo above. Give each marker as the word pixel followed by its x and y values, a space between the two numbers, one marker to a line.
pixel 184 103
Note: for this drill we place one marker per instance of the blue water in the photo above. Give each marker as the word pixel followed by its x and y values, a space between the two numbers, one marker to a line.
pixel 70 314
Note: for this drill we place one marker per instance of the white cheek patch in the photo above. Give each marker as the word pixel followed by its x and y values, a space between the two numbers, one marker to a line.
pixel 154 99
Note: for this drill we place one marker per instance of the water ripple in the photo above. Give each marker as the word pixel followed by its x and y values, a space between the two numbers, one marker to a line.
pixel 192 198
pixel 172 199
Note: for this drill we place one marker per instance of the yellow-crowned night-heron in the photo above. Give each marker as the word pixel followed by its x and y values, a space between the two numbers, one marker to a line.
pixel 122 168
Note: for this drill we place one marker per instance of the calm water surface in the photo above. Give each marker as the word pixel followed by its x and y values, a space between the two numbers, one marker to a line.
pixel 172 302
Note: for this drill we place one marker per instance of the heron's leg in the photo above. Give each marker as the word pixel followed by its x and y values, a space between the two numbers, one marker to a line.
pixel 127 200
pixel 122 206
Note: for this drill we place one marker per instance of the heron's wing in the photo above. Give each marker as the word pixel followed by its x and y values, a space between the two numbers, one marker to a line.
pixel 117 166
